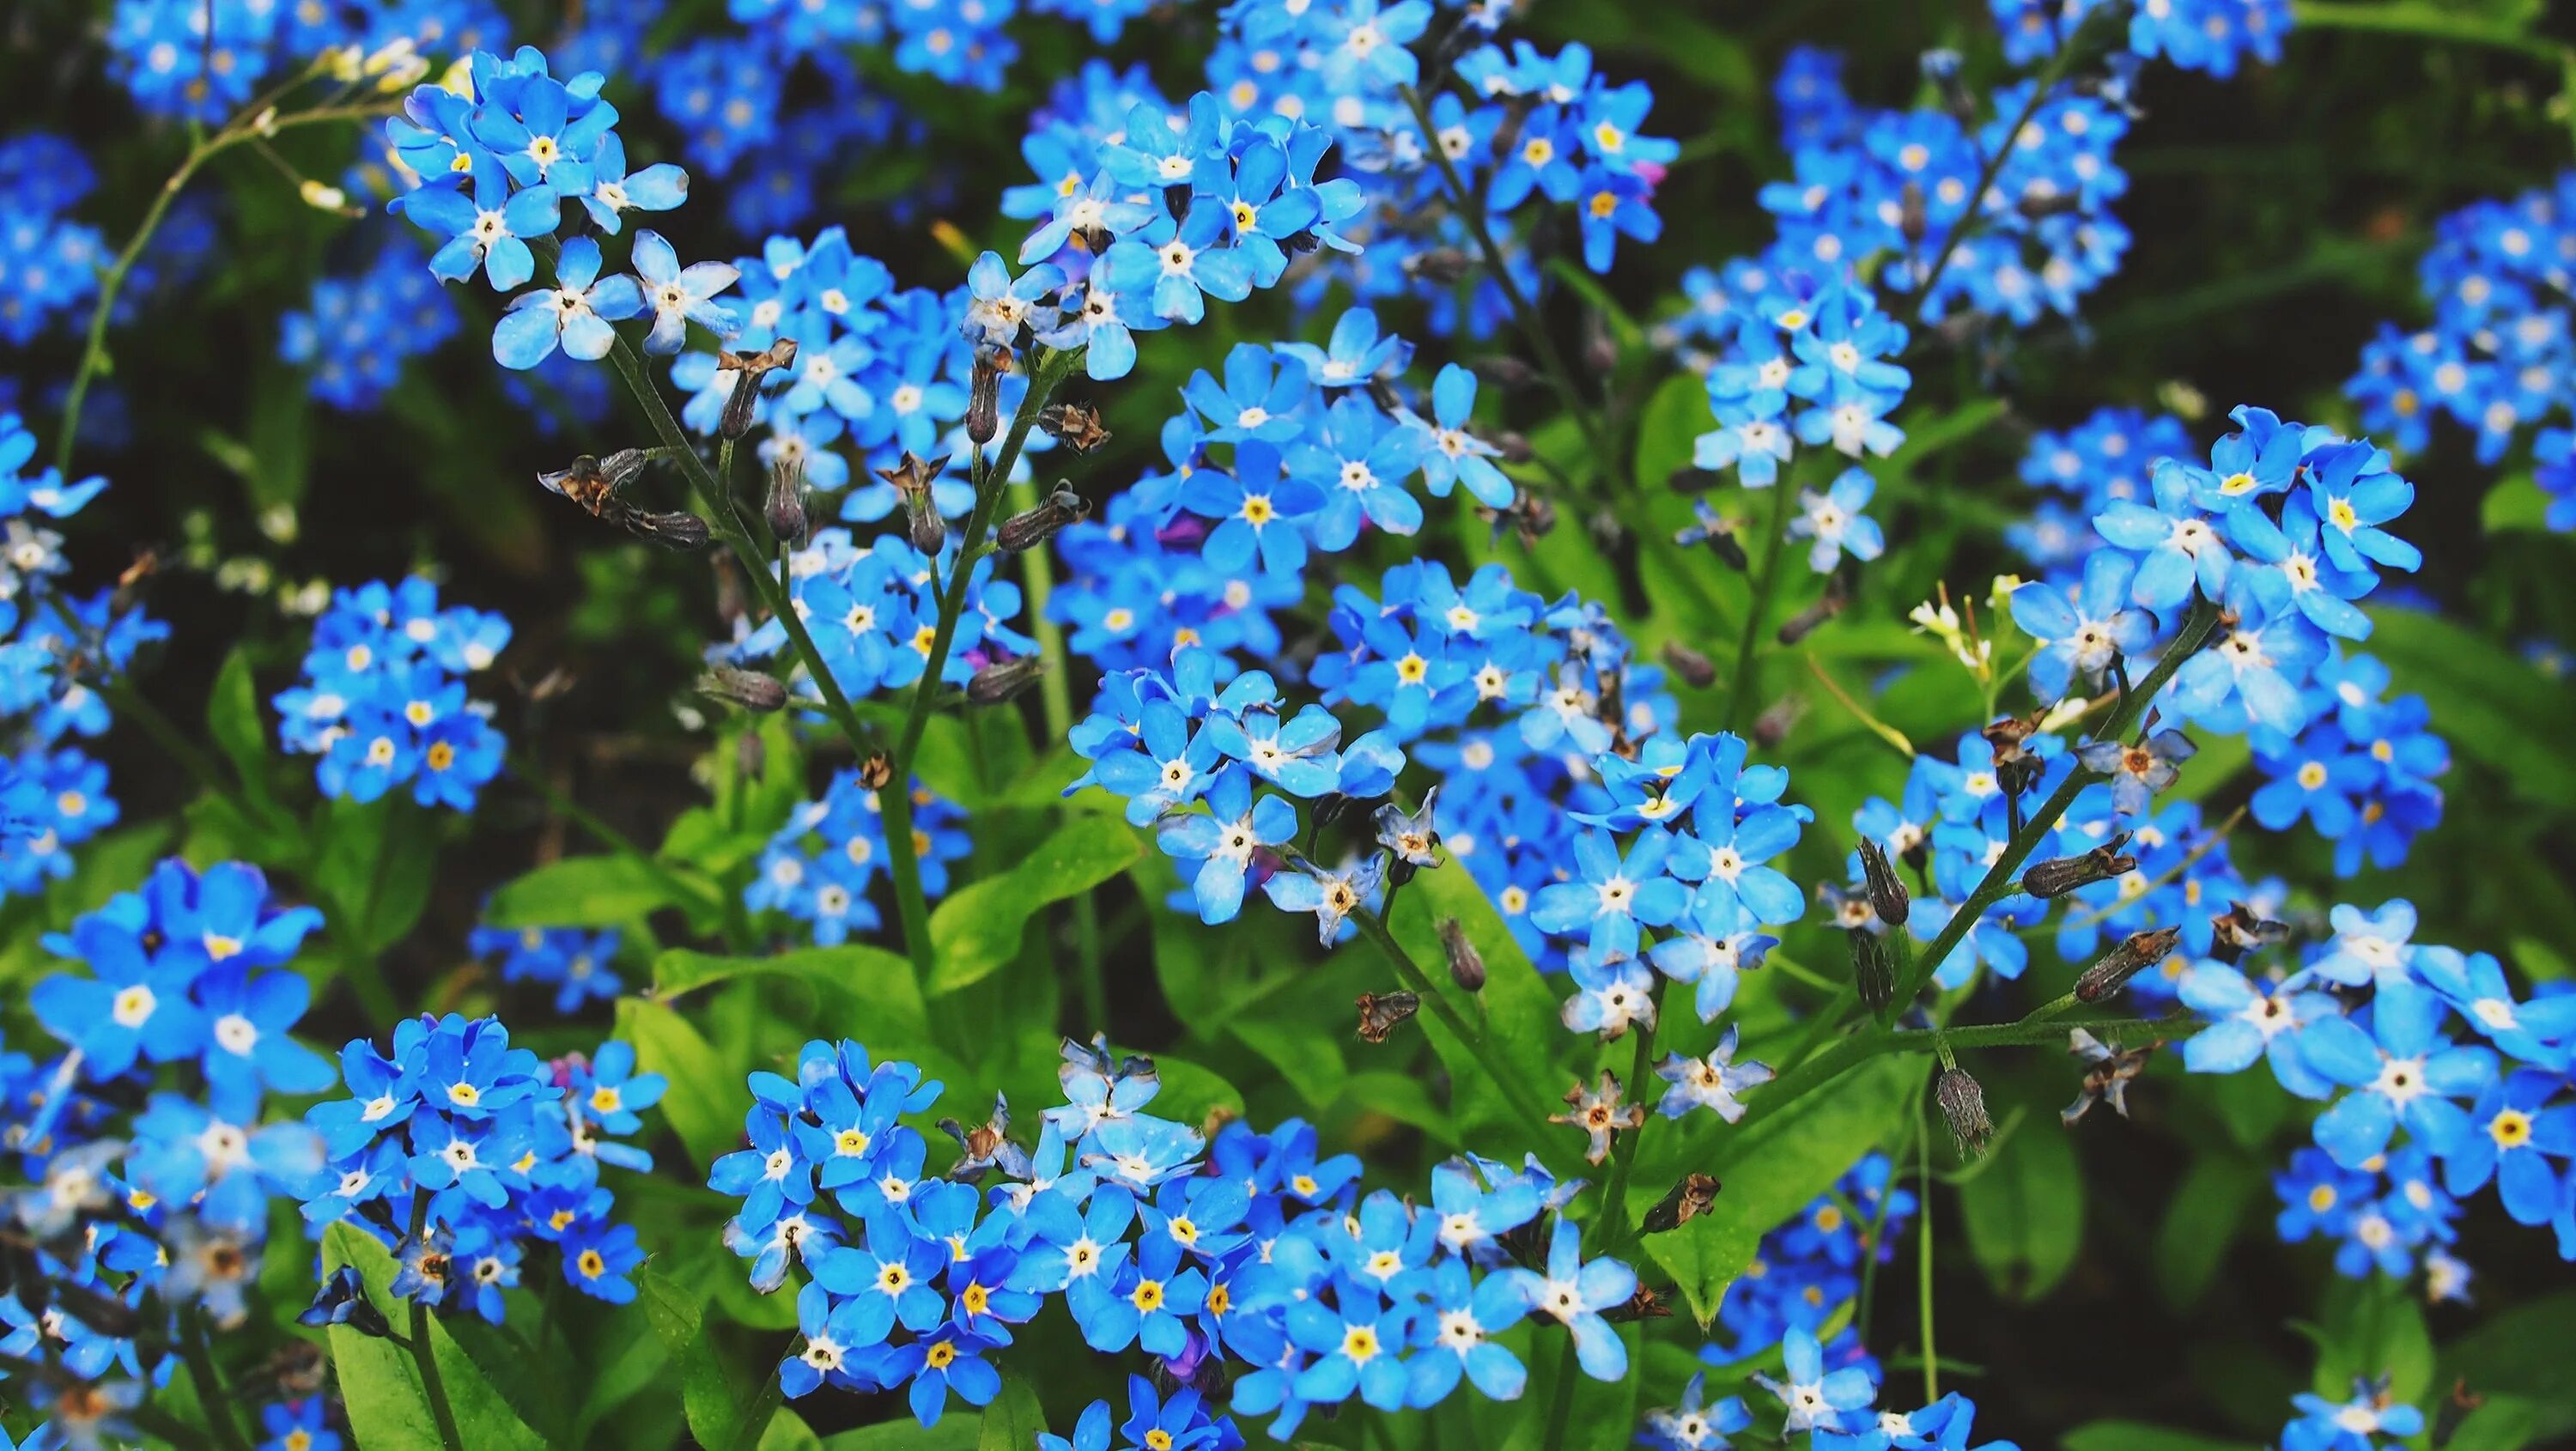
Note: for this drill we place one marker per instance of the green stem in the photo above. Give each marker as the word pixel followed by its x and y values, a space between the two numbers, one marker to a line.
pixel 2423 22
pixel 425 1355
pixel 1419 983
pixel 1917 1143
pixel 1756 610
pixel 1623 1154
pixel 93 360
pixel 2000 879
pixel 1471 210
pixel 1992 167
pixel 903 859
pixel 198 1354
pixel 618 843
pixel 1569 1367
pixel 1055 699
pixel 1923 1267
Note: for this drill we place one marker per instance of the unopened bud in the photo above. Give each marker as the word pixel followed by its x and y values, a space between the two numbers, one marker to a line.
pixel 748 370
pixel 2038 204
pixel 1538 517
pixel 2123 962
pixel 1911 221
pixel 2061 875
pixel 672 531
pixel 746 688
pixel 1773 725
pixel 1380 1013
pixel 1512 446
pixel 1873 973
pixel 785 507
pixel 1694 668
pixel 984 396
pixel 875 770
pixel 1000 681
pixel 1646 1304
pixel 1075 425
pixel 1887 894
pixel 928 531
pixel 1466 965
pixel 1681 1204
pixel 1504 371
pixel 1600 349
pixel 1807 621
pixel 1033 527
pixel 1963 1107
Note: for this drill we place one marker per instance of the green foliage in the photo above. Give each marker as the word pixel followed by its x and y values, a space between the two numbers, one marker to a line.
pixel 979 926
pixel 380 1382
pixel 2023 1207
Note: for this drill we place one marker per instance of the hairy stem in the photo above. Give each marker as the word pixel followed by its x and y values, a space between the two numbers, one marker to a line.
pixel 424 1354
pixel 1740 690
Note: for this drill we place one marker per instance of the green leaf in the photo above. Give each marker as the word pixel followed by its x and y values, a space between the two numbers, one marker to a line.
pixel 2200 1223
pixel 1400 1098
pixel 1310 1061
pixel 380 1383
pixel 726 1407
pixel 2514 503
pixel 2024 1211
pixel 862 983
pixel 2139 1436
pixel 374 864
pixel 2487 701
pixel 1668 430
pixel 2520 1351
pixel 1770 1172
pixel 703 1102
pixel 956 1431
pixel 234 723
pixel 787 1431
pixel 1190 1093
pixel 1516 1010
pixel 1014 1420
pixel 2375 1327
pixel 979 927
pixel 584 891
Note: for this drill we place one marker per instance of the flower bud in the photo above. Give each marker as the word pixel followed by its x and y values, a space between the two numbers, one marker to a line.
pixel 1887 894
pixel 785 507
pixel 1873 974
pixel 1912 223
pixel 1466 965
pixel 748 370
pixel 746 688
pixel 1807 621
pixel 1033 527
pixel 984 396
pixel 2123 962
pixel 1000 681
pixel 1681 1204
pixel 1440 266
pixel 1380 1013
pixel 1504 371
pixel 928 531
pixel 2061 875
pixel 1773 725
pixel 1694 668
pixel 1963 1107
pixel 1512 447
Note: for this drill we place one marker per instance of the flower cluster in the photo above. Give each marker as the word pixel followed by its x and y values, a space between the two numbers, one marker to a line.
pixel 2196 35
pixel 382 701
pixel 203 60
pixel 818 867
pixel 359 330
pixel 1249 1247
pixel 458 1150
pixel 2367 1024
pixel 143 1200
pixel 1807 1269
pixel 873 614
pixel 53 795
pixel 2104 460
pixel 50 262
pixel 1828 349
pixel 2500 354
pixel 574 963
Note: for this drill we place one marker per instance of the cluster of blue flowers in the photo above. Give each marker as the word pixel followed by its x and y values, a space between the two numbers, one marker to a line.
pixel 2213 36
pixel 1825 1392
pixel 458 1150
pixel 203 60
pixel 1807 1269
pixel 358 331
pixel 1827 348
pixel 49 263
pixel 147 1172
pixel 873 614
pixel 1249 1248
pixel 818 867
pixel 382 701
pixel 2105 460
pixel 2366 1024
pixel 53 795
pixel 2498 357
pixel 577 965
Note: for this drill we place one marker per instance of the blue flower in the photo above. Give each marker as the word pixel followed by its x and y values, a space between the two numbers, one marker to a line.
pixel 489 231
pixel 1574 1293
pixel 575 313
pixel 2081 638
pixel 677 295
pixel 2405 1072
pixel 2356 1425
pixel 1817 1400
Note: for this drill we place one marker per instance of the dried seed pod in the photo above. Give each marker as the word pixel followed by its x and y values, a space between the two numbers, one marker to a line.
pixel 2121 963
pixel 1681 1204
pixel 1694 668
pixel 1381 1012
pixel 785 506
pixel 1887 894
pixel 1873 972
pixel 1075 425
pixel 1001 680
pixel 672 531
pixel 1807 621
pixel 984 396
pixel 1646 1304
pixel 1911 221
pixel 876 770
pixel 2237 931
pixel 2061 875
pixel 748 370
pixel 1441 266
pixel 1512 446
pixel 1466 965
pixel 1033 527
pixel 591 481
pixel 1963 1108
pixel 746 688
pixel 1503 371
